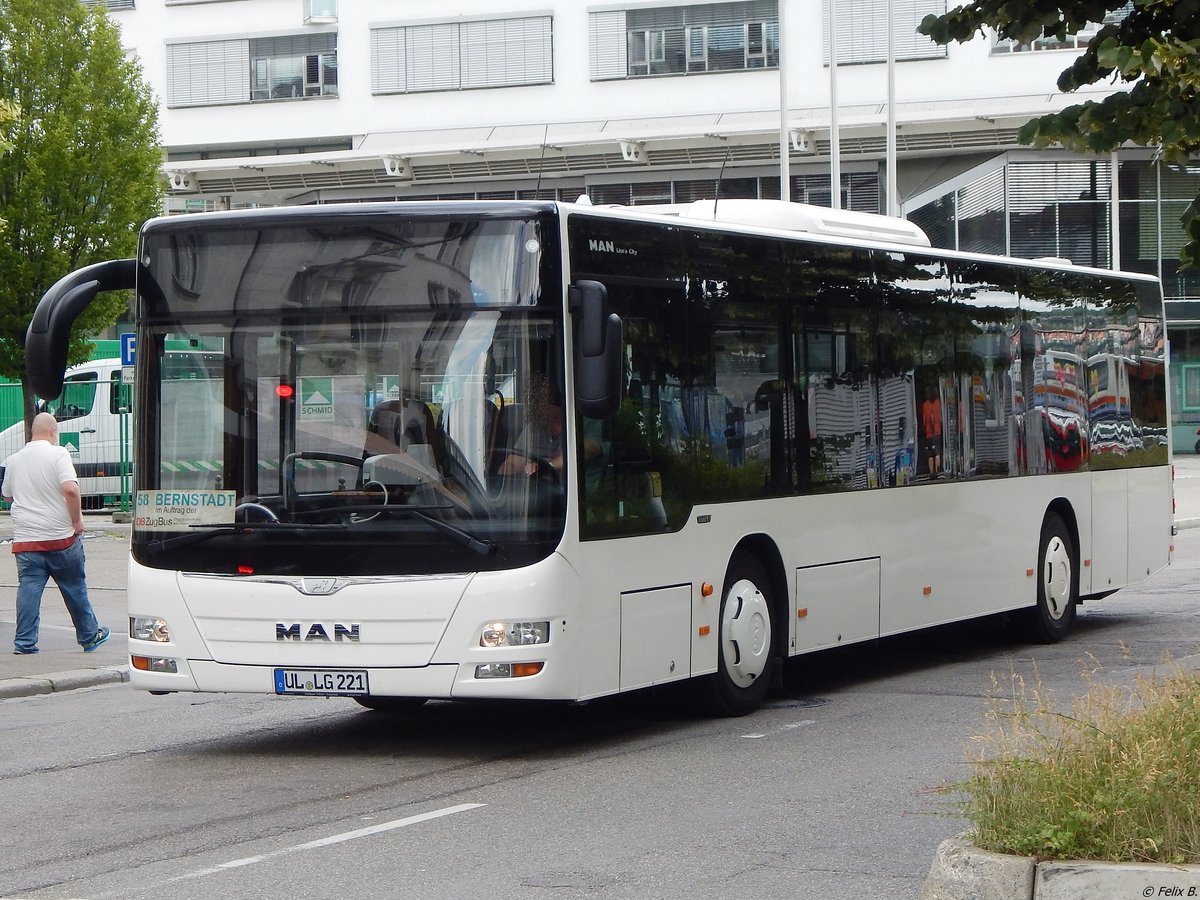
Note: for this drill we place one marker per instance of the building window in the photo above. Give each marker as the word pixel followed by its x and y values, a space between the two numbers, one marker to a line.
pixel 861 30
pixel 1191 388
pixel 1028 208
pixel 684 40
pixel 110 4
pixel 1077 41
pixel 320 11
pixel 282 68
pixel 450 56
pixel 241 70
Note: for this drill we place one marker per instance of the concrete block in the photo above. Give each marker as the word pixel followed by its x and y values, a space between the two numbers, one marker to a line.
pixel 1072 879
pixel 961 871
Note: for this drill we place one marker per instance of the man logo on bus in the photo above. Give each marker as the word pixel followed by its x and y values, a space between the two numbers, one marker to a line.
pixel 316 632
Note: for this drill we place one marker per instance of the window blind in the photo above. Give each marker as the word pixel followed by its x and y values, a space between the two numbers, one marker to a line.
pixel 431 52
pixel 453 55
pixel 704 14
pixel 861 30
pixel 208 72
pixel 1060 209
pixel 388 61
pixel 607 47
pixel 502 52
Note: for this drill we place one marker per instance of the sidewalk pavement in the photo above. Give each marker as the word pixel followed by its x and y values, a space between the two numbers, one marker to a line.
pixel 61 665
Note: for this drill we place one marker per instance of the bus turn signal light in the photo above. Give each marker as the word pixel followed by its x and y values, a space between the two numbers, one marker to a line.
pixel 706 589
pixel 154 664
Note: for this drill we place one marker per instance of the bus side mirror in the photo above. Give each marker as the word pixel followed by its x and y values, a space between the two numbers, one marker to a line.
pixel 597 351
pixel 49 332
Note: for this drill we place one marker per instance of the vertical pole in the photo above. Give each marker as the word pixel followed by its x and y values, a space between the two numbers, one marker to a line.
pixel 123 418
pixel 835 151
pixel 893 188
pixel 785 144
pixel 1114 207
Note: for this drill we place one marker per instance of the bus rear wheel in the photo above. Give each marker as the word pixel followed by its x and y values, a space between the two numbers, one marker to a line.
pixel 1058 582
pixel 746 638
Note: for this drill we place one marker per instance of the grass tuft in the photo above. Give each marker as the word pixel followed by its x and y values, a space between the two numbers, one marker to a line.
pixel 1116 778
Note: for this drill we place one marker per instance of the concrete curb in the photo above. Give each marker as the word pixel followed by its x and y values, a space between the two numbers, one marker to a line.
pixel 961 870
pixel 56 682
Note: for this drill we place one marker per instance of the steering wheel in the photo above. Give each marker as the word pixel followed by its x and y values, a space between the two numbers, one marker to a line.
pixel 359 518
pixel 290 495
pixel 244 509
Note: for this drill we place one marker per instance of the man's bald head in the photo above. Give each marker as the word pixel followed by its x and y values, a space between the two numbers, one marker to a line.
pixel 44 427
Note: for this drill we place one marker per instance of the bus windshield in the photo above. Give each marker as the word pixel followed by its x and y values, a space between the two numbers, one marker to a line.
pixel 393 407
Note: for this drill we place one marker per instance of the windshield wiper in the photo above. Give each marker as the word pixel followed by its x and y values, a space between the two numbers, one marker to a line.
pixel 482 546
pixel 195 537
pixel 479 545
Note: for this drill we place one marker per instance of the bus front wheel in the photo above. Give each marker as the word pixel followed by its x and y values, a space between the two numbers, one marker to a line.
pixel 1058 582
pixel 746 651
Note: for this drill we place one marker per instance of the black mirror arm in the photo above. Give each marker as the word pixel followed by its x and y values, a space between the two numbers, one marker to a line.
pixel 48 335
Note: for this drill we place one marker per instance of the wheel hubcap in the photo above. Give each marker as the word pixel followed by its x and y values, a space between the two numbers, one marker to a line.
pixel 1056 578
pixel 745 633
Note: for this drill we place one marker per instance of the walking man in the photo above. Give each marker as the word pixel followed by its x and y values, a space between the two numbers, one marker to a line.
pixel 47 521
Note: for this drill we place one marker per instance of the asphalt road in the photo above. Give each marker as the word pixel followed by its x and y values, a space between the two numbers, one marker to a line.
pixel 834 790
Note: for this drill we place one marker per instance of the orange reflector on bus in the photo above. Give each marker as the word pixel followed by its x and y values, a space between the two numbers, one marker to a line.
pixel 802 612
pixel 706 589
pixel 927 590
pixel 1029 573
pixel 520 670
pixel 704 630
pixel 1086 563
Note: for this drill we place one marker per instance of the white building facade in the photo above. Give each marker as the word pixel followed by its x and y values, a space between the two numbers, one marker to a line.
pixel 269 102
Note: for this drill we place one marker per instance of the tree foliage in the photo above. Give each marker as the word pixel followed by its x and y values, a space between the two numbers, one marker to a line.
pixel 1153 52
pixel 82 170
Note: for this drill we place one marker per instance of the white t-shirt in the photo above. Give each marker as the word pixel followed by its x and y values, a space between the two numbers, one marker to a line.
pixel 33 477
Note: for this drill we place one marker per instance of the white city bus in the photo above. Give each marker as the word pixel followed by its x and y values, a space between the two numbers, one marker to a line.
pixel 554 451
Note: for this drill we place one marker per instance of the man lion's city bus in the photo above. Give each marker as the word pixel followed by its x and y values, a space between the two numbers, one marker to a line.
pixel 555 451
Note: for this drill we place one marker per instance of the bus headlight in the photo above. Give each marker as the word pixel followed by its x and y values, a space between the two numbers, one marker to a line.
pixel 149 628
pixel 514 634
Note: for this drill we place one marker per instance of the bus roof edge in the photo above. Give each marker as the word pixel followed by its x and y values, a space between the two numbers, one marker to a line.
pixel 786 216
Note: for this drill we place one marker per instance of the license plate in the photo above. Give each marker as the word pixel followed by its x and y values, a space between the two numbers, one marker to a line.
pixel 322 682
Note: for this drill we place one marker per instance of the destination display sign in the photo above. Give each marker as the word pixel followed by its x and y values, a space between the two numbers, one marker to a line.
pixel 180 510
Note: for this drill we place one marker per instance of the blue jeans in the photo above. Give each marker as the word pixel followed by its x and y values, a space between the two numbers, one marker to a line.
pixel 34 568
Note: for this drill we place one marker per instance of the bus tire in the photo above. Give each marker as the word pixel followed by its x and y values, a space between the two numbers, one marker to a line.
pixel 391 704
pixel 745 641
pixel 1058 582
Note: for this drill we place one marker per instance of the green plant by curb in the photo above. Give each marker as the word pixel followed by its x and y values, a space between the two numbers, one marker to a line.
pixel 1116 778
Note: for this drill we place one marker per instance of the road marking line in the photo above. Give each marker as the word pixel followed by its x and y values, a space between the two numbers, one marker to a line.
pixel 786 727
pixel 329 841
